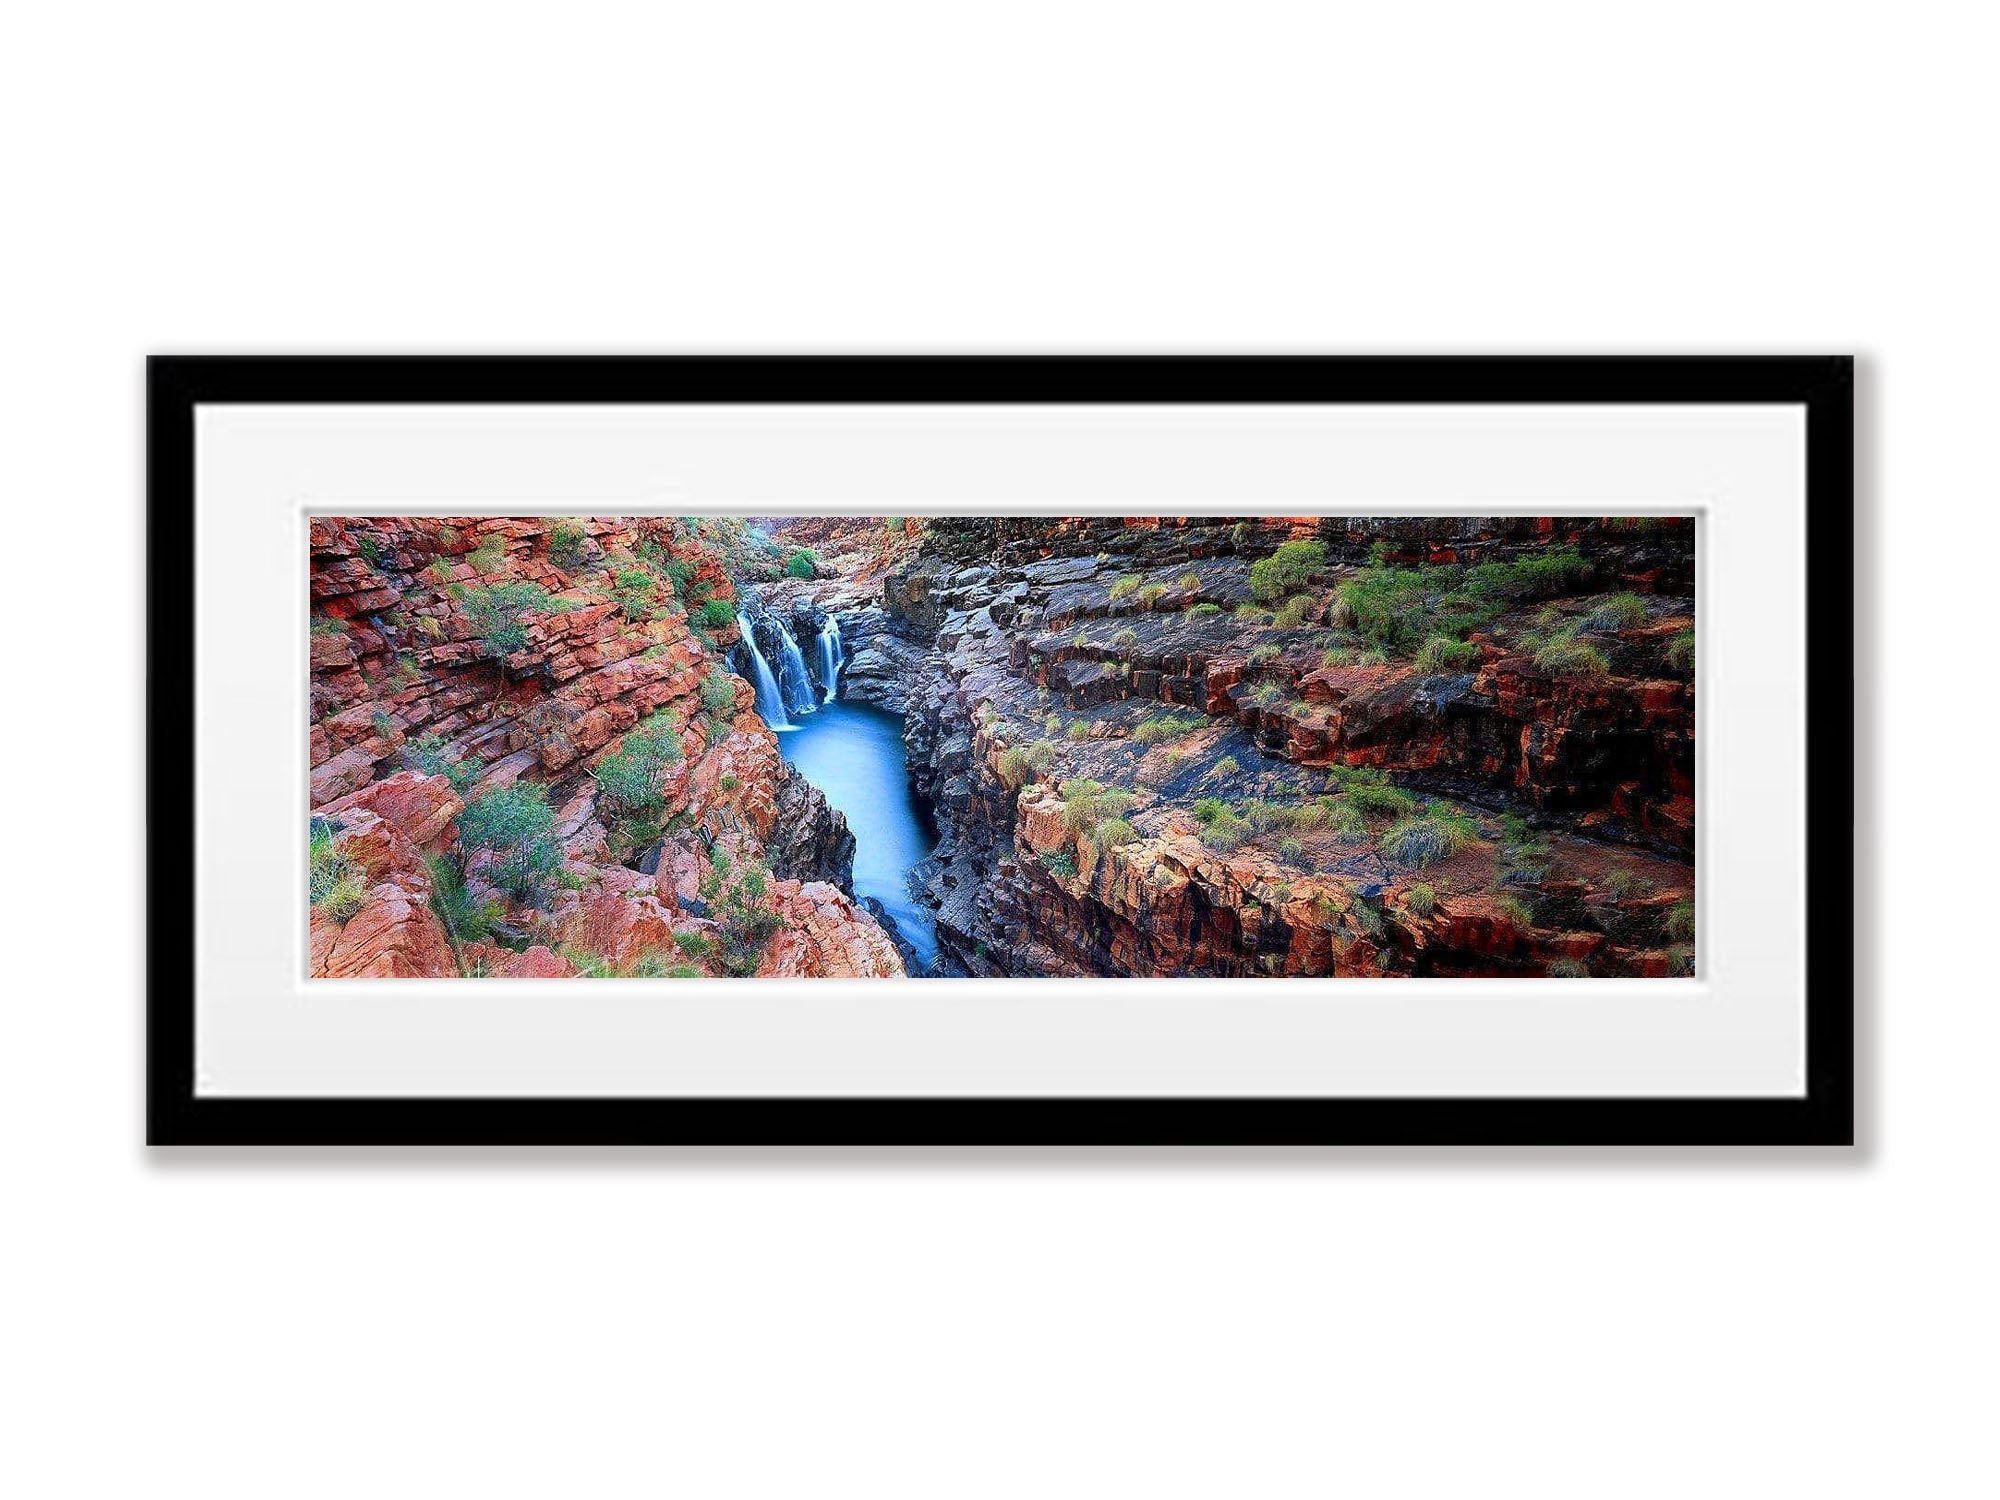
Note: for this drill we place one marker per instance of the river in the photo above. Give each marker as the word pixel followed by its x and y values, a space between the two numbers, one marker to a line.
pixel 854 753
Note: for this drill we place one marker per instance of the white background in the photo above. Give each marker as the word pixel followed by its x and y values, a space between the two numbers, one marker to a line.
pixel 262 1028
pixel 1421 178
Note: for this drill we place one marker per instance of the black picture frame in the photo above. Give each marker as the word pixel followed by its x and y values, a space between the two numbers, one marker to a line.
pixel 1823 1115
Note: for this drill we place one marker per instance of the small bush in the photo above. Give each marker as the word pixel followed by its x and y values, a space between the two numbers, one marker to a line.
pixel 1060 862
pixel 1623 885
pixel 1442 654
pixel 1346 820
pixel 441 570
pixel 1129 584
pixel 1152 594
pixel 498 614
pixel 1229 765
pixel 718 694
pixel 1012 767
pixel 1202 611
pixel 1619 612
pixel 1111 833
pixel 1086 803
pixel 1287 570
pixel 566 540
pixel 1292 850
pixel 1680 652
pixel 803 563
pixel 427 755
pixel 1265 653
pixel 516 822
pixel 633 590
pixel 1077 731
pixel 489 554
pixel 465 920
pixel 335 885
pixel 1188 582
pixel 1568 657
pixel 1426 839
pixel 628 780
pixel 1421 900
pixel 694 944
pixel 370 548
pixel 1514 912
pixel 1680 961
pixel 1166 727
pixel 1208 809
pixel 715 613
pixel 1568 968
pixel 1125 640
pixel 1225 831
pixel 328 625
pixel 1336 656
pixel 1041 755
pixel 1293 614
pixel 1380 800
pixel 1680 922
pixel 1250 614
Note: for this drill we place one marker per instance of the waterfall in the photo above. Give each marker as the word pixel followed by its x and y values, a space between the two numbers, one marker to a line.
pixel 793 683
pixel 832 657
pixel 770 702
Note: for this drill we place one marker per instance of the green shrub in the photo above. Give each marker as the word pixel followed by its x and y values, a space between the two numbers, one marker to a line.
pixel 1292 850
pixel 715 613
pixel 465 920
pixel 718 693
pixel 1421 900
pixel 1336 656
pixel 633 590
pixel 1624 885
pixel 1680 961
pixel 1086 803
pixel 1167 727
pixel 335 884
pixel 1568 968
pixel 1250 614
pixel 628 780
pixel 1346 820
pixel 498 614
pixel 566 539
pixel 1568 657
pixel 1680 922
pixel 1380 800
pixel 1152 594
pixel 1293 614
pixel 1061 862
pixel 1077 731
pixel 1265 653
pixel 328 625
pixel 803 563
pixel 1225 831
pixel 1110 833
pixel 1012 767
pixel 1424 840
pixel 1680 652
pixel 1125 640
pixel 1514 912
pixel 1442 654
pixel 1188 582
pixel 1229 765
pixel 1287 570
pixel 383 725
pixel 1041 755
pixel 1202 611
pixel 1130 583
pixel 427 755
pixel 370 548
pixel 1619 612
pixel 441 570
pixel 1540 576
pixel 489 554
pixel 516 822
pixel 1208 809
pixel 694 944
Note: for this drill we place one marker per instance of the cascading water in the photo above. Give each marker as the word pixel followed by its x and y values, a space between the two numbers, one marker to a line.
pixel 770 702
pixel 793 683
pixel 832 657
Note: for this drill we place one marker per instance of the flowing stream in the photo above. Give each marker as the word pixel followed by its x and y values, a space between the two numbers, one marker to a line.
pixel 854 753
pixel 770 702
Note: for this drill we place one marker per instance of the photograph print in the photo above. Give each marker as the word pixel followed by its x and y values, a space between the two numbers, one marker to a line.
pixel 714 747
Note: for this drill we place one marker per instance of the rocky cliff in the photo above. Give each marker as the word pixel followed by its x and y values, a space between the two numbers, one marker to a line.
pixel 528 757
pixel 1317 745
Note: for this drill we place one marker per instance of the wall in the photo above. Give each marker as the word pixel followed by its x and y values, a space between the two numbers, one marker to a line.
pixel 1529 177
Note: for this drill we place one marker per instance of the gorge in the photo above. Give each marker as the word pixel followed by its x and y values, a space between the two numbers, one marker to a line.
pixel 1020 746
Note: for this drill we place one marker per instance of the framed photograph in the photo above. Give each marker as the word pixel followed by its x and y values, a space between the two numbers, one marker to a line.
pixel 1000 751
